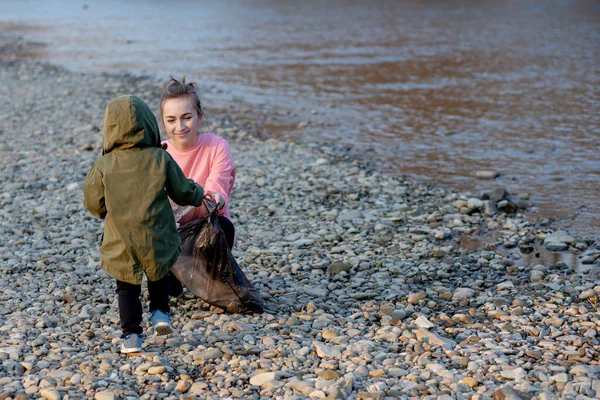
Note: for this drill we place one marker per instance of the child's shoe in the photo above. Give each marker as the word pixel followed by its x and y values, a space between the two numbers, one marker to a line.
pixel 132 343
pixel 161 323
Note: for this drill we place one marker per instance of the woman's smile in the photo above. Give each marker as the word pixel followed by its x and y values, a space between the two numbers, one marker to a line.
pixel 181 122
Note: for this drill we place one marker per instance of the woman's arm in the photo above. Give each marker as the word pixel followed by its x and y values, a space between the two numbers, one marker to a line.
pixel 222 174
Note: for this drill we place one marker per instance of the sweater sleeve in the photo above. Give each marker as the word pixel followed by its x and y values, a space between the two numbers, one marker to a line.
pixel 222 172
pixel 181 190
pixel 93 193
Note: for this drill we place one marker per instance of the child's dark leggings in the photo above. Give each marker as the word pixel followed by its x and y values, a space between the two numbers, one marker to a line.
pixel 229 230
pixel 130 306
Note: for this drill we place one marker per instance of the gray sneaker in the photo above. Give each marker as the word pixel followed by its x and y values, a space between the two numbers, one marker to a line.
pixel 161 323
pixel 132 343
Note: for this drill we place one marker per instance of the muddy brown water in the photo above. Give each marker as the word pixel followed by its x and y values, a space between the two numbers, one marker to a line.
pixel 435 90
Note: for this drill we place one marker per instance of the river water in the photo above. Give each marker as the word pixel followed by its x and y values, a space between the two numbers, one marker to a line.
pixel 435 90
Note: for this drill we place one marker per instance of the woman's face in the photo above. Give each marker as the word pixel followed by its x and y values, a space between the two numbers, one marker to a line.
pixel 181 122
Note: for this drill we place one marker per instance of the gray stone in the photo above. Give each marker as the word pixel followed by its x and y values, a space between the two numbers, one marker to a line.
pixel 463 294
pixel 514 374
pixel 50 394
pixel 508 393
pixel 486 174
pixel 266 379
pixel 105 395
pixel 326 351
pixel 433 338
pixel 302 387
pixel 558 241
pixel 474 204
pixel 338 266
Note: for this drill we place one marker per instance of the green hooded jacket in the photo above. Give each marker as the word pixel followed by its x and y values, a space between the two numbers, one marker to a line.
pixel 128 188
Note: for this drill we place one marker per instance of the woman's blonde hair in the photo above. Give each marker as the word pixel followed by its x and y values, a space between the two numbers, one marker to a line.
pixel 175 89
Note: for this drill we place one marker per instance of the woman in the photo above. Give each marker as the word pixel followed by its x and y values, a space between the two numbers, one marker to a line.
pixel 203 157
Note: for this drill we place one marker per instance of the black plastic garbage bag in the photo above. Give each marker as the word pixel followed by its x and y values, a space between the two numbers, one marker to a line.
pixel 207 268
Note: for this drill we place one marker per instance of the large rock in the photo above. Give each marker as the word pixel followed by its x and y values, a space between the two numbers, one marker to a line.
pixel 474 204
pixel 489 207
pixel 507 206
pixel 498 194
pixel 558 241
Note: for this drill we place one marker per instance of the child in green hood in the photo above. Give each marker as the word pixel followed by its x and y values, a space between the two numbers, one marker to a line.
pixel 129 188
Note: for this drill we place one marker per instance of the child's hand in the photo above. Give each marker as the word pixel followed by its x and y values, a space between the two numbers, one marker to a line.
pixel 216 197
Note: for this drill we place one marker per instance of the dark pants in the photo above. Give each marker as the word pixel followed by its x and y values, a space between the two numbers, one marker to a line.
pixel 228 230
pixel 130 306
pixel 175 287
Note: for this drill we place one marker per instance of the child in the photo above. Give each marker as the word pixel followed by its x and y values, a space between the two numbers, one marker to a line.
pixel 129 187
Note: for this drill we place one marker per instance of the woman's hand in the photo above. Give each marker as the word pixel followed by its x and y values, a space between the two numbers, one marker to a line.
pixel 216 197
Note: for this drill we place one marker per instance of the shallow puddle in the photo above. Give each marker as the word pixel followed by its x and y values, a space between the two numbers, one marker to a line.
pixel 574 261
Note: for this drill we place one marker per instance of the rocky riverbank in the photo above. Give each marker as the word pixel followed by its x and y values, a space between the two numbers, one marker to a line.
pixel 371 291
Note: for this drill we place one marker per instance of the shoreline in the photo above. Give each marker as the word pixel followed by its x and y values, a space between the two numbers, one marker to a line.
pixel 370 291
pixel 565 195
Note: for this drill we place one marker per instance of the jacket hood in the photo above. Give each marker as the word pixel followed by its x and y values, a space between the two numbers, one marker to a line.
pixel 129 123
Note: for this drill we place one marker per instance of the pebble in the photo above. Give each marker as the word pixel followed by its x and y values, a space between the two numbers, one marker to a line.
pixel 299 386
pixel 416 297
pixel 514 374
pixel 463 294
pixel 105 396
pixel 469 381
pixel 182 386
pixel 338 266
pixel 423 322
pixel 198 388
pixel 50 394
pixel 265 379
pixel 486 174
pixel 558 241
pixel 433 338
pixel 156 370
pixel 326 351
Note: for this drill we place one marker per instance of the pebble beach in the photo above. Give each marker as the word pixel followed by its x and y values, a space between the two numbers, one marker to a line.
pixel 369 289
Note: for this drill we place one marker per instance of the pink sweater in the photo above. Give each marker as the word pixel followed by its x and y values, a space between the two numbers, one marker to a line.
pixel 210 164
